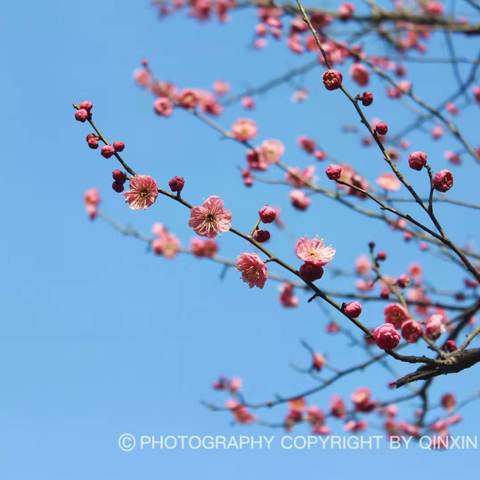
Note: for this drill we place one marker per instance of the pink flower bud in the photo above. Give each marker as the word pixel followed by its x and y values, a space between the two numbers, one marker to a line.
pixel 417 160
pixel 411 330
pixel 353 309
pixel 333 171
pixel 82 115
pixel 308 144
pixel 118 146
pixel 299 200
pixel 386 337
pixel 267 214
pixel 92 140
pixel 176 184
pixel 107 151
pixel 450 346
pixel 434 326
pixel 86 105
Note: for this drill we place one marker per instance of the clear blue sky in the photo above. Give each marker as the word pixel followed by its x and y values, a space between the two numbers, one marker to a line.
pixel 99 338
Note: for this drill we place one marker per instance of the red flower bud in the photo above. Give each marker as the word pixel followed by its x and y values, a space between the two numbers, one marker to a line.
pixel 332 79
pixel 443 181
pixel 267 214
pixel 333 171
pixel 176 184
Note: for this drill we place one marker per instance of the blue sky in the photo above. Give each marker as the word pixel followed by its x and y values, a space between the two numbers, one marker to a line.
pixel 99 337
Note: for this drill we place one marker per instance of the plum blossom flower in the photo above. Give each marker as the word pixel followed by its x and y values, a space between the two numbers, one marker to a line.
pixel 220 87
pixel 166 243
pixel 244 129
pixel 203 247
pixel 300 178
pixel 434 326
pixel 359 74
pixel 389 182
pixel 92 199
pixel 395 314
pixel 362 265
pixel 270 151
pixel 386 336
pixel 142 77
pixel 314 251
pixel 254 270
pixel 210 218
pixel 143 192
pixel 163 106
pixel 362 400
pixel 411 330
pixel 299 199
pixel 287 298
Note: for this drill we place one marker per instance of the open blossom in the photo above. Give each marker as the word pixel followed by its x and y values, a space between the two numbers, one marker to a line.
pixel 203 247
pixel 143 192
pixel 254 270
pixel 244 129
pixel 166 243
pixel 210 218
pixel 92 200
pixel 314 251
pixel 163 106
pixel 142 77
pixel 362 265
pixel 271 151
pixel 389 182
pixel 395 314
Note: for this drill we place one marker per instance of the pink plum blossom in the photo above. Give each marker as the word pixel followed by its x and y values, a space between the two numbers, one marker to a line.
pixel 254 270
pixel 143 192
pixel 314 251
pixel 210 218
